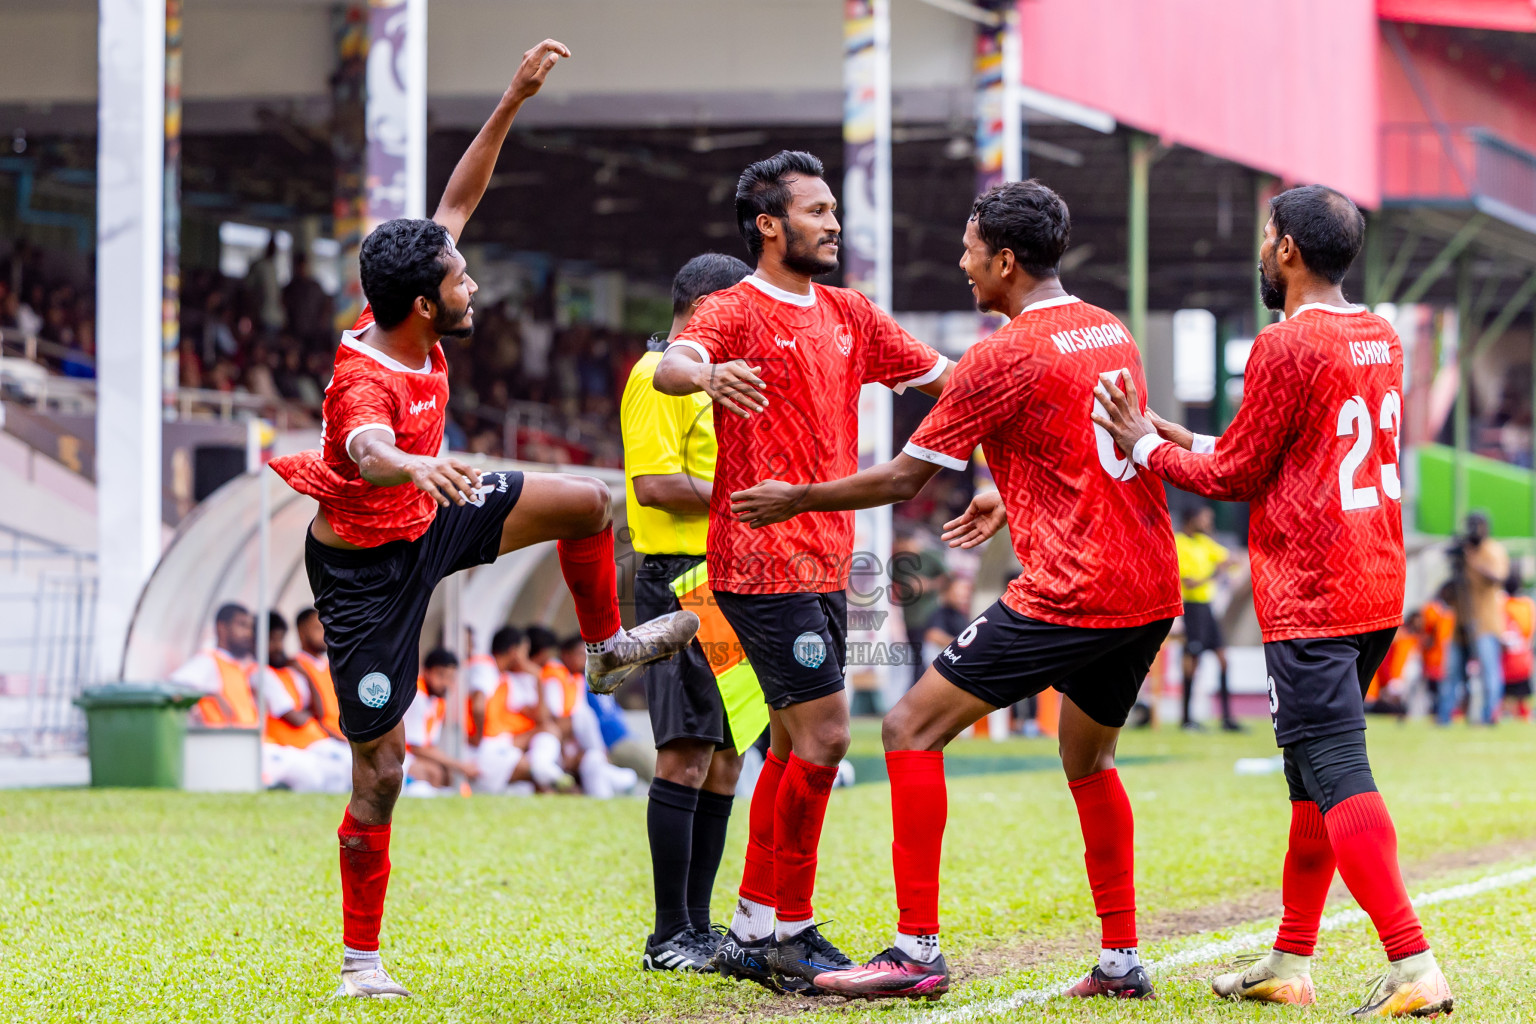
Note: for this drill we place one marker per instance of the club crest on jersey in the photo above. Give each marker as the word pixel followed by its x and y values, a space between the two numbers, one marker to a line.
pixel 842 337
pixel 783 342
pixel 810 649
pixel 430 403
pixel 373 689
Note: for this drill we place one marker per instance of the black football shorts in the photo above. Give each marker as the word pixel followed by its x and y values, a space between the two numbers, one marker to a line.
pixel 1201 630
pixel 373 601
pixel 1003 657
pixel 1317 685
pixel 797 643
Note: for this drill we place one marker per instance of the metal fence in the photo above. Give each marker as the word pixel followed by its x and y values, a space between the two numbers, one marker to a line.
pixel 47 643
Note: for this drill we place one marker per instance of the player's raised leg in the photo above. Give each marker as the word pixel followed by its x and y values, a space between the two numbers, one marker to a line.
pixel 574 511
pixel 377 774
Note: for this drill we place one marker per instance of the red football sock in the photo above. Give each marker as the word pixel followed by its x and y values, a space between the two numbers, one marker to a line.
pixel 919 809
pixel 590 574
pixel 1365 843
pixel 757 875
pixel 1309 865
pixel 798 814
pixel 1109 834
pixel 364 880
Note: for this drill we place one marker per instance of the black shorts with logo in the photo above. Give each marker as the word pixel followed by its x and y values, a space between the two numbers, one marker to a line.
pixel 1201 630
pixel 797 643
pixel 680 693
pixel 1317 685
pixel 372 603
pixel 1003 657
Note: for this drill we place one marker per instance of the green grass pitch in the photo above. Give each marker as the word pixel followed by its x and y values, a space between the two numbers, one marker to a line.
pixel 137 906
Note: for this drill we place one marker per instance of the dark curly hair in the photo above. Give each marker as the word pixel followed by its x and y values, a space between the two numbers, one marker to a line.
pixel 764 188
pixel 1028 218
pixel 400 260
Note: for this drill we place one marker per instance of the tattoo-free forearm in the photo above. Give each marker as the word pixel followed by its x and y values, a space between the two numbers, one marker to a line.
pixel 678 374
pixel 677 493
pixel 379 462
pixel 897 480
pixel 472 175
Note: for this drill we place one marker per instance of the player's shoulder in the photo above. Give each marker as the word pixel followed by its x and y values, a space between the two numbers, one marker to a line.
pixel 644 370
pixel 733 300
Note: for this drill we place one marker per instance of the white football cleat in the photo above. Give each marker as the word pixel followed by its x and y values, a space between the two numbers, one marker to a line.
pixel 367 979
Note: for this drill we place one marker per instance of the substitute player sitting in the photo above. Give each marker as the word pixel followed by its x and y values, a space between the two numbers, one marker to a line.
pixel 1097 595
pixel 519 741
pixel 396 517
pixel 426 762
pixel 1314 450
pixel 787 358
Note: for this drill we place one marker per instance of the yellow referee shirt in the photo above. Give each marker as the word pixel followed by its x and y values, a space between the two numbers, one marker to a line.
pixel 664 434
pixel 1198 558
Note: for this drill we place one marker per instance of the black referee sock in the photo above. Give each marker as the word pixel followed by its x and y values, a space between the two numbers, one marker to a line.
pixel 709 825
pixel 669 820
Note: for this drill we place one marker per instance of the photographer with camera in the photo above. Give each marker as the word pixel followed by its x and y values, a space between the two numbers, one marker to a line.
pixel 1479 567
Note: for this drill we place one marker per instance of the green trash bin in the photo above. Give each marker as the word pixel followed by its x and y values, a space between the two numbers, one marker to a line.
pixel 135 733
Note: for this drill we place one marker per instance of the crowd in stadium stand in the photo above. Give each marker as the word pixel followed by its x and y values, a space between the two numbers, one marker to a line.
pixel 530 723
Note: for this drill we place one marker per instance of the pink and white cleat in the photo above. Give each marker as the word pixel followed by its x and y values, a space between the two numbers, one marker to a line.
pixel 889 975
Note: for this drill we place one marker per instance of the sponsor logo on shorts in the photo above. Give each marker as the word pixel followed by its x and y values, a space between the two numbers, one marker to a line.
pixel 951 655
pixel 373 690
pixel 810 649
pixel 487 487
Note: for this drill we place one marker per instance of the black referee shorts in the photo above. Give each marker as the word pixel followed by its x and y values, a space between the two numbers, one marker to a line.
pixel 373 601
pixel 1201 630
pixel 1003 657
pixel 681 693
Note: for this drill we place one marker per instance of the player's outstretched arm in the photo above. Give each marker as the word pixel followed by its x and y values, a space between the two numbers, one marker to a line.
pixel 978 523
pixel 734 385
pixel 448 480
pixel 774 501
pixel 472 176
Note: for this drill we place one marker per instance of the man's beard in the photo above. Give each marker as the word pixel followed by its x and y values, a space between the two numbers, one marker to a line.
pixel 802 258
pixel 1271 292
pixel 446 323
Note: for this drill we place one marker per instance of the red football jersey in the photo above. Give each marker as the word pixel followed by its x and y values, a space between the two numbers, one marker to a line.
pixel 1092 533
pixel 816 352
pixel 369 389
pixel 1314 450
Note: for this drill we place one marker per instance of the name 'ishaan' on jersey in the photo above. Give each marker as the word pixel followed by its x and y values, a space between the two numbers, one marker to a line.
pixel 368 391
pixel 1314 449
pixel 1092 533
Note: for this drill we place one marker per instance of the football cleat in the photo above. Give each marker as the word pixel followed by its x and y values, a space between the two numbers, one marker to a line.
pixel 1261 983
pixel 367 979
pixel 688 950
pixel 1413 987
pixel 808 956
pixel 650 641
pixel 889 975
pixel 1133 985
pixel 752 961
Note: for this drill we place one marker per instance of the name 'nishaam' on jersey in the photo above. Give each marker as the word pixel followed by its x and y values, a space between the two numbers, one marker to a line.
pixel 1083 338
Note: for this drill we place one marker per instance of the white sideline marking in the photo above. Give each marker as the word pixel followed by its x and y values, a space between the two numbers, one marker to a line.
pixel 1236 944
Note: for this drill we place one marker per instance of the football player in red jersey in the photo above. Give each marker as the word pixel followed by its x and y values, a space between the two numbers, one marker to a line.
pixel 396 516
pixel 788 358
pixel 1314 449
pixel 1099 590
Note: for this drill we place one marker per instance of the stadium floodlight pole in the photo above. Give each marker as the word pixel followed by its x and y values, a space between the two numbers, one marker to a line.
pixel 1140 146
pixel 130 161
pixel 866 217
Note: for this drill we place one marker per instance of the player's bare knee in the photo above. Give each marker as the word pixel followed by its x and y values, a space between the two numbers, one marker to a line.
pixel 591 509
pixel 896 731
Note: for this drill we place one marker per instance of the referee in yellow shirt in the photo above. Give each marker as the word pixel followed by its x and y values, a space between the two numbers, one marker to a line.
pixel 1201 560
pixel 669 466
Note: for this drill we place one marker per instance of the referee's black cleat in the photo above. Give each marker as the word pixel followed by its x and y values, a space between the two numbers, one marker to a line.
pixel 807 955
pixel 632 649
pixel 688 950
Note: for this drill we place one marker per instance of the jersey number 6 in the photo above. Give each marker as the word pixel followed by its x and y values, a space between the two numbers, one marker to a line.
pixel 1355 421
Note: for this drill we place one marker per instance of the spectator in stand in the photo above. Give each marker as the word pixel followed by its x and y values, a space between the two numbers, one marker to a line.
pixel 1201 563
pixel 600 777
pixel 315 663
pixel 1519 624
pixel 264 292
pixel 428 767
pixel 519 744
pixel 949 619
pixel 223 672
pixel 1484 568
pixel 296 752
pixel 307 310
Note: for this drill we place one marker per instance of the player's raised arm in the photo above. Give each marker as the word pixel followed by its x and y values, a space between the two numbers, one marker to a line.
pixel 732 385
pixel 448 480
pixel 774 501
pixel 472 176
